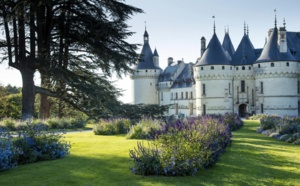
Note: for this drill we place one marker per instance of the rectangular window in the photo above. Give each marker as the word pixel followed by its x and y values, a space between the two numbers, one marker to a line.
pixel 176 95
pixel 161 96
pixel 204 109
pixel 186 95
pixel 243 86
pixel 171 95
pixel 229 88
pixel 262 108
pixel 191 109
pixel 176 108
pixel 261 87
pixel 181 95
pixel 253 97
pixel 203 89
pixel 191 95
pixel 298 87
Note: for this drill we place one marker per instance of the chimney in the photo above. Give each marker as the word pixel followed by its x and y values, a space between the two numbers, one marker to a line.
pixel 170 61
pixel 203 45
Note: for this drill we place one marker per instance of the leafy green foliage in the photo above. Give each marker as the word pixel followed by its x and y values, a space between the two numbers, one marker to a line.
pixel 112 126
pixel 144 127
pixel 10 106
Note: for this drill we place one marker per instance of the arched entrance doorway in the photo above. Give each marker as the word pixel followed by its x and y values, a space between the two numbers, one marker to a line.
pixel 242 110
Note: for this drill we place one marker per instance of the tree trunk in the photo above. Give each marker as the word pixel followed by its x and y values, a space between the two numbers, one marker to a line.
pixel 28 94
pixel 45 106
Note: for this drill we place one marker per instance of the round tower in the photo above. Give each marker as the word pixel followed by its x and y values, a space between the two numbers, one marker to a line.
pixel 145 75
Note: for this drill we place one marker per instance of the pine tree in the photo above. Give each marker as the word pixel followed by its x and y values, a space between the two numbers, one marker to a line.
pixel 67 41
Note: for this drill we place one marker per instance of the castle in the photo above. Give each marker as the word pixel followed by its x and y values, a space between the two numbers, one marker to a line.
pixel 245 80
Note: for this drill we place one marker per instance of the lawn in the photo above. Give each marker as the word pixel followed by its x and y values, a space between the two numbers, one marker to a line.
pixel 253 159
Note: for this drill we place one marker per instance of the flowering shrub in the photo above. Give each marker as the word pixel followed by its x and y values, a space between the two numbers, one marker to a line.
pixel 31 145
pixel 286 129
pixel 51 123
pixel 185 147
pixel 143 128
pixel 112 126
pixel 233 120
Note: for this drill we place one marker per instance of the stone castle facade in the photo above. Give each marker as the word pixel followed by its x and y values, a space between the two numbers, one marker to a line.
pixel 245 80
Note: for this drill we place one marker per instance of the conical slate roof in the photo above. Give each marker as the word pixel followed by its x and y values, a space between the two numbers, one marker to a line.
pixel 271 51
pixel 227 45
pixel 155 53
pixel 146 57
pixel 245 53
pixel 214 54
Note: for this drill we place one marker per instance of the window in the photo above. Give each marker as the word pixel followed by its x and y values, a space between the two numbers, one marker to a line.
pixel 150 84
pixel 249 68
pixel 201 68
pixel 258 65
pixel 161 96
pixel 243 68
pixel 261 87
pixel 237 68
pixel 229 88
pixel 212 67
pixel 191 95
pixel 287 64
pixel 230 68
pixel 298 87
pixel 186 95
pixel 176 95
pixel 146 70
pixel 154 70
pixel 176 108
pixel 204 110
pixel 272 65
pixel 223 67
pixel 191 108
pixel 181 95
pixel 262 108
pixel 203 89
pixel 243 86
pixel 171 95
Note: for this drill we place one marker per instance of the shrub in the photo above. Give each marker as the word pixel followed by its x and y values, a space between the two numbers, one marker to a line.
pixel 53 123
pixel 112 126
pixel 9 123
pixel 76 123
pixel 233 120
pixel 268 122
pixel 185 147
pixel 143 128
pixel 8 153
pixel 145 159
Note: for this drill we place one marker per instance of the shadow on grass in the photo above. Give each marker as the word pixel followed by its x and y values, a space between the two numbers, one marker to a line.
pixel 249 161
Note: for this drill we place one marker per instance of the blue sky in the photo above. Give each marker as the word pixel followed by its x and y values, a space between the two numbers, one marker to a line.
pixel 176 26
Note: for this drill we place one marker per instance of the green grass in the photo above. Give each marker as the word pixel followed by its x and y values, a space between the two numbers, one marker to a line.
pixel 253 159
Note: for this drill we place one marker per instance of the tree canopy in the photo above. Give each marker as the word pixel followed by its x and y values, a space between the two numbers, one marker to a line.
pixel 67 41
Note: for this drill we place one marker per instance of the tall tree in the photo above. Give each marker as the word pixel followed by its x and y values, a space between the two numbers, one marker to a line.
pixel 67 41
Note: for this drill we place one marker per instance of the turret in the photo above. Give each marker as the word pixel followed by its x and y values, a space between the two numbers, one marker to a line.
pixel 156 58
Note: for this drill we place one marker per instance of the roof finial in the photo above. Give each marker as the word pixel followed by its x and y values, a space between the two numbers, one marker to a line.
pixel 145 26
pixel 214 23
pixel 227 29
pixel 244 27
pixel 275 18
pixel 247 29
pixel 284 23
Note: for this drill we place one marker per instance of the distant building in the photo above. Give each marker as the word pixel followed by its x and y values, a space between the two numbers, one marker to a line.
pixel 222 80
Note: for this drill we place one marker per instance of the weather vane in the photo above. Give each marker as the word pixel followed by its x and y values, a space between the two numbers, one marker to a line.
pixel 214 23
pixel 275 17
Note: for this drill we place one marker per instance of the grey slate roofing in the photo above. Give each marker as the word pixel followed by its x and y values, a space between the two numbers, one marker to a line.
pixel 214 54
pixel 271 51
pixel 227 45
pixel 155 53
pixel 293 42
pixel 146 57
pixel 245 53
pixel 186 78
pixel 168 72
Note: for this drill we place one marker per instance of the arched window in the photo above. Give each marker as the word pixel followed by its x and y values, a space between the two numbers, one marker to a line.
pixel 223 67
pixel 243 68
pixel 272 65
pixel 287 64
pixel 212 67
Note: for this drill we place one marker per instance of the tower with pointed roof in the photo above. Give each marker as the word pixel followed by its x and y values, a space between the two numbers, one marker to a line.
pixel 145 75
